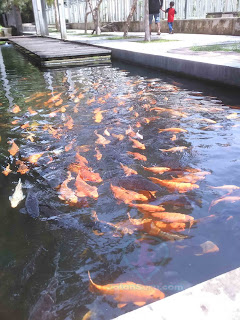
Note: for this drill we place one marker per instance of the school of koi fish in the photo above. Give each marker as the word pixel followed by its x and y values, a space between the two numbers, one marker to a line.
pixel 92 150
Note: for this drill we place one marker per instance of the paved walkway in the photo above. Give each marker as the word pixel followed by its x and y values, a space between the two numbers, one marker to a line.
pixel 172 53
pixel 215 299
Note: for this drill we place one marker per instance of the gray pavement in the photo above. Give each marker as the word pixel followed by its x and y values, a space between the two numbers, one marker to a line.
pixel 172 54
pixel 215 299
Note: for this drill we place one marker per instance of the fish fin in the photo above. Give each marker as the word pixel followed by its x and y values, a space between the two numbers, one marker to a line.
pixel 121 305
pixel 139 303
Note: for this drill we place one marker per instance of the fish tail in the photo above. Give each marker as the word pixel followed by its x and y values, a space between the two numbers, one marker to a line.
pixel 92 285
pixel 94 215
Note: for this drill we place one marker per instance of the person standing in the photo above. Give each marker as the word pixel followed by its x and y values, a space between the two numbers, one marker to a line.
pixel 171 12
pixel 154 9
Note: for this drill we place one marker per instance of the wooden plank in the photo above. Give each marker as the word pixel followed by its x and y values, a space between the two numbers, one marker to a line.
pixel 46 49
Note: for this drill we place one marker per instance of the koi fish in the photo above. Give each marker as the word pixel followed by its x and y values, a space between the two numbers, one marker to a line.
pixel 34 157
pixel 157 169
pixel 98 155
pixel 120 137
pixel 16 109
pixel 101 140
pixel 137 144
pixel 7 170
pixel 53 99
pixel 192 178
pixel 207 247
pixel 137 156
pixel 84 189
pixel 181 187
pixel 14 148
pixel 128 171
pixel 127 196
pixel 152 229
pixel 170 216
pixel 147 208
pixel 17 196
pixel 226 187
pixel 174 149
pixel 175 130
pixel 127 292
pixel 67 194
pixel 231 199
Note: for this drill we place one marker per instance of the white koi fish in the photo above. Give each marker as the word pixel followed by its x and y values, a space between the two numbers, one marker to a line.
pixel 17 195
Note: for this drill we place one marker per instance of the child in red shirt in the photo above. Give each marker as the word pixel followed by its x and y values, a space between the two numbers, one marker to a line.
pixel 171 12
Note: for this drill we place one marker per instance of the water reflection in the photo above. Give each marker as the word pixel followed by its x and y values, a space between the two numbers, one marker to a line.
pixel 85 135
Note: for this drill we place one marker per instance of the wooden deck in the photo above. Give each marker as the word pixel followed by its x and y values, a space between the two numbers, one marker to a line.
pixel 48 52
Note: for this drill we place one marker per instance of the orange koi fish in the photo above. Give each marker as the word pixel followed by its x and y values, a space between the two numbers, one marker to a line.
pixel 22 167
pixel 69 146
pixel 15 121
pixel 152 229
pixel 16 109
pixel 137 156
pixel 181 187
pixel 34 157
pixel 59 102
pixel 69 124
pixel 120 137
pixel 14 148
pixel 170 217
pixel 7 170
pixel 127 292
pixel 81 160
pixel 84 189
pixel 159 170
pixel 147 208
pixel 174 149
pixel 101 140
pixel 122 227
pixel 98 155
pixel 127 196
pixel 98 115
pixel 176 226
pixel 53 99
pixel 174 130
pixel 90 101
pixel 31 111
pixel 83 148
pixel 128 171
pixel 24 126
pixel 67 194
pixel 137 144
pixel 88 175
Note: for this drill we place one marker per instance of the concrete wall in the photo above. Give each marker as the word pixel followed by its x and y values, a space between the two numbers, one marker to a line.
pixel 224 26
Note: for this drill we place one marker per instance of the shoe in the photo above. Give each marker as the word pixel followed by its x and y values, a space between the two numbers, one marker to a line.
pixel 159 33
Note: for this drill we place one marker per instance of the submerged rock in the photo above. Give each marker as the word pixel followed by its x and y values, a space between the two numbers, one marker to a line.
pixel 32 204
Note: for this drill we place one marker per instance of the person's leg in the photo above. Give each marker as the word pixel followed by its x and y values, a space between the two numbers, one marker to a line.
pixel 157 21
pixel 150 22
pixel 170 27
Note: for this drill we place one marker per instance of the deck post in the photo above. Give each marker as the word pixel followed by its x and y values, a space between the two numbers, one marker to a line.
pixel 36 18
pixel 44 16
pixel 62 19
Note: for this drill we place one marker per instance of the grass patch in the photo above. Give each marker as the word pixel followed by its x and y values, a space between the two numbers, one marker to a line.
pixel 121 38
pixel 159 40
pixel 233 47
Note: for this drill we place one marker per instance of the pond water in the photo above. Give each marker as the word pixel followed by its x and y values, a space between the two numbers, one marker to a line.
pixel 75 120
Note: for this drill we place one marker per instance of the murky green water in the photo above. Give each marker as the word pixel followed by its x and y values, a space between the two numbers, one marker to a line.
pixel 44 261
